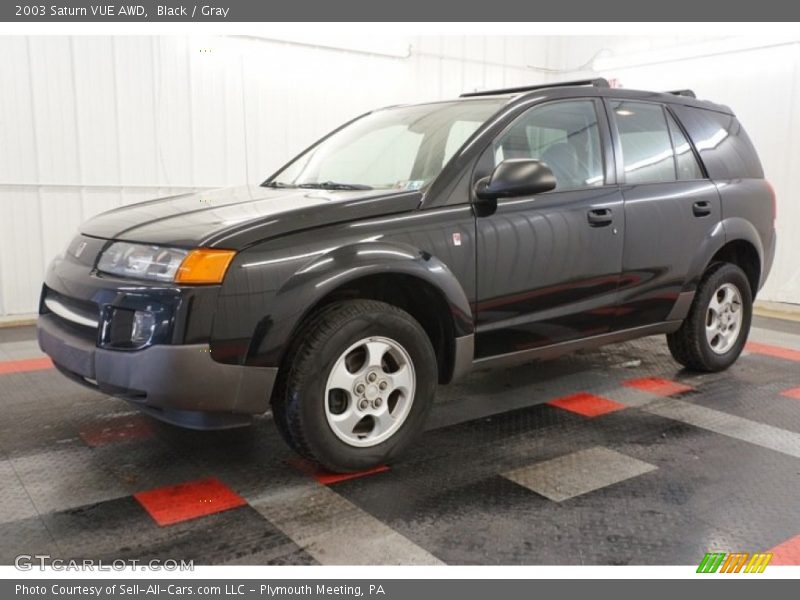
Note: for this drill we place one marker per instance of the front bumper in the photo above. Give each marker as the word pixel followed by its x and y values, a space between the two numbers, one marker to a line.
pixel 180 384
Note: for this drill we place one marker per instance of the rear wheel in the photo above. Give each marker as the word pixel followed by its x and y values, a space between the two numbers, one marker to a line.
pixel 359 384
pixel 716 328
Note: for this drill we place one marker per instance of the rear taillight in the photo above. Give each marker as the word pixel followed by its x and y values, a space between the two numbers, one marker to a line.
pixel 774 201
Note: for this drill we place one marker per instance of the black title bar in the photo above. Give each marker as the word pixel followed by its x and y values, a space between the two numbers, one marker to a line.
pixel 401 10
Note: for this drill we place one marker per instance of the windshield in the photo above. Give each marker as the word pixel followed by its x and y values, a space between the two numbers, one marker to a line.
pixel 401 148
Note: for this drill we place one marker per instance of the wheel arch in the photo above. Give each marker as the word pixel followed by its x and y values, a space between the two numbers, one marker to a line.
pixel 734 240
pixel 744 255
pixel 744 248
pixel 394 273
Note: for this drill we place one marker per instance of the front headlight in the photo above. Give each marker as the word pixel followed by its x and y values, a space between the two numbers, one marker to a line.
pixel 157 263
pixel 138 261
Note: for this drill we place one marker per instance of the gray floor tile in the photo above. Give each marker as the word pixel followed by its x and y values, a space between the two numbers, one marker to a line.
pixel 15 503
pixel 62 479
pixel 578 473
pixel 20 350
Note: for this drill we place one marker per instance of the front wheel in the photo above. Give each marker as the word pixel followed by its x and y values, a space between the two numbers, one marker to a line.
pixel 359 384
pixel 716 328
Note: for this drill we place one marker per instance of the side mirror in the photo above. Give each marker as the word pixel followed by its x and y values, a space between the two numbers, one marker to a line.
pixel 516 177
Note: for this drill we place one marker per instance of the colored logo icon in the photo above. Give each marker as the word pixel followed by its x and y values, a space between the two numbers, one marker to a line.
pixel 737 562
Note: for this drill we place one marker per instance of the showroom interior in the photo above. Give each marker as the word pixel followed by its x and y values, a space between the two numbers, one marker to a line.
pixel 664 466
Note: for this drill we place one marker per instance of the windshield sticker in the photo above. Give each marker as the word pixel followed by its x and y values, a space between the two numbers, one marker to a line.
pixel 410 185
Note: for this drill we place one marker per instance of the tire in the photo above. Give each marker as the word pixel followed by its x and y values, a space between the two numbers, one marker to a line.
pixel 690 345
pixel 318 403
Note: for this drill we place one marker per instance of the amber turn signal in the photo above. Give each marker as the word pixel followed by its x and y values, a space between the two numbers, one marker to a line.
pixel 204 265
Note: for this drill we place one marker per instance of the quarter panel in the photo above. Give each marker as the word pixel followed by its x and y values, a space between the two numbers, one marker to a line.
pixel 747 212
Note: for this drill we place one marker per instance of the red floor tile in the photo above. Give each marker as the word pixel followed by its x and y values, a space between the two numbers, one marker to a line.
pixel 786 553
pixel 657 386
pixel 21 366
pixel 326 477
pixel 117 430
pixel 773 351
pixel 178 503
pixel 586 404
pixel 792 393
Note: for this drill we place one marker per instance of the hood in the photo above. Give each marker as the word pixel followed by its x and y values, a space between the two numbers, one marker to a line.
pixel 239 216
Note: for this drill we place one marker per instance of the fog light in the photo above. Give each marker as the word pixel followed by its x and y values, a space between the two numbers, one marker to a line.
pixel 142 327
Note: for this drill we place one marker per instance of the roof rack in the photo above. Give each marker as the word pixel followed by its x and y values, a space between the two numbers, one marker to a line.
pixel 687 93
pixel 598 82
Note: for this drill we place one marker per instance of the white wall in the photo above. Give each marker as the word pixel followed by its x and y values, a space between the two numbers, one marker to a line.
pixel 89 123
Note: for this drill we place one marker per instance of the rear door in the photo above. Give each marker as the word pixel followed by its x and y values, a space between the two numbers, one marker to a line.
pixel 671 209
pixel 548 265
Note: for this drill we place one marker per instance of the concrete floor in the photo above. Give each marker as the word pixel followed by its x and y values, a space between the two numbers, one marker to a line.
pixel 615 456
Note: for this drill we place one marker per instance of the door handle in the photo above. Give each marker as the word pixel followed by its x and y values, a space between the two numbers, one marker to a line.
pixel 701 208
pixel 600 217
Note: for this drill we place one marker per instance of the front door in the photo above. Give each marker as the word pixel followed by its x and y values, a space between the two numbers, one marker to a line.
pixel 548 266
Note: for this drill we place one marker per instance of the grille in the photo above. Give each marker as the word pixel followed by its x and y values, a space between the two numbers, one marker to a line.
pixel 80 316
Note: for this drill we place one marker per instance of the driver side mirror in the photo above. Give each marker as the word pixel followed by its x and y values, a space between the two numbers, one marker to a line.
pixel 516 177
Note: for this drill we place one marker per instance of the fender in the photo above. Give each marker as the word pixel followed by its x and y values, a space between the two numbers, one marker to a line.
pixel 311 283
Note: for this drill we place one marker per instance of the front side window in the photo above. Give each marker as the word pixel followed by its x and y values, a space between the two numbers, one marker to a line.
pixel 402 148
pixel 564 135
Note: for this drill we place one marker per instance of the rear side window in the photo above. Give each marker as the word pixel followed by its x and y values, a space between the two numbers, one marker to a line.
pixel 723 145
pixel 686 163
pixel 646 145
pixel 654 147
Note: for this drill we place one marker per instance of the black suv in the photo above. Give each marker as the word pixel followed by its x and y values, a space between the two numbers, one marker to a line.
pixel 411 245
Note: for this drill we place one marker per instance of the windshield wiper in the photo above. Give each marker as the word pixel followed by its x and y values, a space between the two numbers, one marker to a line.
pixel 277 184
pixel 332 185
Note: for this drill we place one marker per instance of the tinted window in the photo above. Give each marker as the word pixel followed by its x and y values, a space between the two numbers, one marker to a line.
pixel 646 146
pixel 564 135
pixel 396 146
pixel 723 145
pixel 685 161
pixel 401 148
